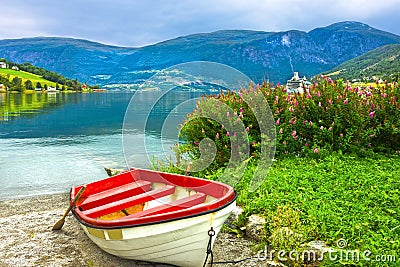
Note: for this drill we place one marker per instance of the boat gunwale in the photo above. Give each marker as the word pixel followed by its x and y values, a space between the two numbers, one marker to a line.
pixel 103 227
pixel 220 203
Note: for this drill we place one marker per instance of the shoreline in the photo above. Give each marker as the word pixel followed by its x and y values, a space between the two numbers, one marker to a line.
pixel 26 238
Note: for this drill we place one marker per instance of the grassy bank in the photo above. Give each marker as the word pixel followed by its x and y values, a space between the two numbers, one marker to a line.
pixel 339 197
pixel 26 76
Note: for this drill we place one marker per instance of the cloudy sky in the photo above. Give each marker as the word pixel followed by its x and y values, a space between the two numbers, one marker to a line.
pixel 142 22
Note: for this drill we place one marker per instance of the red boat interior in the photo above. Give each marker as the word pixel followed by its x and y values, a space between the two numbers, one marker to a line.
pixel 139 196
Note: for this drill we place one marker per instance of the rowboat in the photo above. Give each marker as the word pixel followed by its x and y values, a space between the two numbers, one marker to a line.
pixel 154 216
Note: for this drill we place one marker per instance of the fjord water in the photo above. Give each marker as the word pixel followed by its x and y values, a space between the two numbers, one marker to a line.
pixel 51 141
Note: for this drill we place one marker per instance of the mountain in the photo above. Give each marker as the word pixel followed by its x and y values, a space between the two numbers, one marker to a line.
pixel 260 55
pixel 382 63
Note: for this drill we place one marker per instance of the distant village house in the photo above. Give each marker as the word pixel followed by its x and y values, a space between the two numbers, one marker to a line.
pixel 15 68
pixel 296 84
pixel 3 65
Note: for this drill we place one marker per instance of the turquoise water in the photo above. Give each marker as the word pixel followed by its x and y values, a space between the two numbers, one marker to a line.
pixel 50 142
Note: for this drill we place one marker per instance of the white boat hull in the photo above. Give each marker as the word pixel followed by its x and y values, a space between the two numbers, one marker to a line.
pixel 180 242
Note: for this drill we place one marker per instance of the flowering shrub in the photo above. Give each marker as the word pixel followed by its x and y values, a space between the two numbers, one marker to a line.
pixel 329 116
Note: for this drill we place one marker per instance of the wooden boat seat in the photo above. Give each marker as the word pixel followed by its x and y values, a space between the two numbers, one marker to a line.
pixel 179 204
pixel 115 194
pixel 121 204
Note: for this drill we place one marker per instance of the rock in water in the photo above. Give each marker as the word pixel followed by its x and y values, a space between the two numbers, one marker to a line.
pixel 112 172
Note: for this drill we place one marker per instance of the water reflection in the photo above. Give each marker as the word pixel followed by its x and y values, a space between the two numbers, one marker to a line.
pixel 15 104
pixel 49 142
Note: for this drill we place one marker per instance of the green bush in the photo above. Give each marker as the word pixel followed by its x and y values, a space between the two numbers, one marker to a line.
pixel 329 116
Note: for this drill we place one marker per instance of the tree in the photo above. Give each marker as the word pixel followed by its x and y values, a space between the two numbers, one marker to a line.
pixel 16 84
pixel 28 85
pixel 77 86
pixel 38 85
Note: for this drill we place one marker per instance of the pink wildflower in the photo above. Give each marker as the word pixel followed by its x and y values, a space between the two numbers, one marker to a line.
pixel 316 151
pixel 371 114
pixel 281 131
pixel 247 129
pixel 278 121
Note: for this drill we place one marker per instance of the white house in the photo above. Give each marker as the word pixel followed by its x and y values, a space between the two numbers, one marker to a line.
pixel 15 68
pixel 3 65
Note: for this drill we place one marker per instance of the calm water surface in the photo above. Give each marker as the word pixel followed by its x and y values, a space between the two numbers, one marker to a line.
pixel 49 142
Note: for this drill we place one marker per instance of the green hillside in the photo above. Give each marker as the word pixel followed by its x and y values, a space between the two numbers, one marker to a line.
pixel 21 77
pixel 381 63
pixel 26 76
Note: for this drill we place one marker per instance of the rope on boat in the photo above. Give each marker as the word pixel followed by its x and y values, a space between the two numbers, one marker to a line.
pixel 211 233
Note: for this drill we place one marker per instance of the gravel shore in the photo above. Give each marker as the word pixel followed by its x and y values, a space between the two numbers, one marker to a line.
pixel 26 238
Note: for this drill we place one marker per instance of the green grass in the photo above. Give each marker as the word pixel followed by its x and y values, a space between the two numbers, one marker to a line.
pixel 26 76
pixel 338 197
pixel 356 199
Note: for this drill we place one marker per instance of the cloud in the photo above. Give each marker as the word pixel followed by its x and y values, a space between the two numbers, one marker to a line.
pixel 137 23
pixel 16 23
